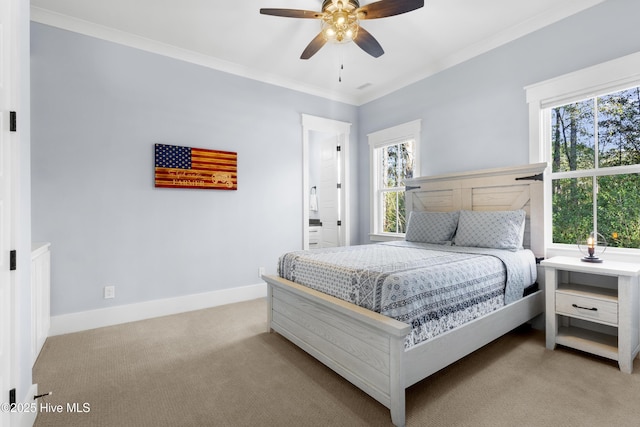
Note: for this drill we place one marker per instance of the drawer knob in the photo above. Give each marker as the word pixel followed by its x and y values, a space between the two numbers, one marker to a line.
pixel 584 308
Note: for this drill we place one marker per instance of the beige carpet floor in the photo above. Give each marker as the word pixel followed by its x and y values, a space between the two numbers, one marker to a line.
pixel 218 367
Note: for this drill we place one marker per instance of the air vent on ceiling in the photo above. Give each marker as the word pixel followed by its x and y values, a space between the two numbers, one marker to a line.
pixel 363 86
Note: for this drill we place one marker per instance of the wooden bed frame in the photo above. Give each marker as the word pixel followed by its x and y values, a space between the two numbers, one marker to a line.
pixel 332 330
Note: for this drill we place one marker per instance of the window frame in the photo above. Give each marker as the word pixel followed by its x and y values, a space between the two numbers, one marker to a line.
pixel 378 140
pixel 608 77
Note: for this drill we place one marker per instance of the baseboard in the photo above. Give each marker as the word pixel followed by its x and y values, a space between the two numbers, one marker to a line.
pixel 85 320
pixel 26 418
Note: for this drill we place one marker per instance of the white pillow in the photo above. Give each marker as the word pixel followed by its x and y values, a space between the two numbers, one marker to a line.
pixel 431 227
pixel 491 229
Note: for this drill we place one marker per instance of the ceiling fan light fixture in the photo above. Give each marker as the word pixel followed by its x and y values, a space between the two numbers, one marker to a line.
pixel 340 27
pixel 340 22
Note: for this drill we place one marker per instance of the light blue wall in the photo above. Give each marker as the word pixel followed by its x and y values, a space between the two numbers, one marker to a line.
pixel 98 108
pixel 474 115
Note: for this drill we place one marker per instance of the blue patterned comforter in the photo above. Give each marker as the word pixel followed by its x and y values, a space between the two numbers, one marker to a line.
pixel 434 288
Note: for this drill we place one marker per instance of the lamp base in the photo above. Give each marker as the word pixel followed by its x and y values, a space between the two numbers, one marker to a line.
pixel 591 258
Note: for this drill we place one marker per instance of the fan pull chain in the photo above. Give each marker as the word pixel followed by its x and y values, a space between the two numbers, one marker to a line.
pixel 341 59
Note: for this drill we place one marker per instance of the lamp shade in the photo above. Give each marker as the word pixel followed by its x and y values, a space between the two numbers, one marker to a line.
pixel 593 246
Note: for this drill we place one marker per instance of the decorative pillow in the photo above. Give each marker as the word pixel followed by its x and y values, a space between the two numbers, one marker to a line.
pixel 431 227
pixel 491 229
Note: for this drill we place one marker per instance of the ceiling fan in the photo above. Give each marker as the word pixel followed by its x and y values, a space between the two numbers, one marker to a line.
pixel 340 22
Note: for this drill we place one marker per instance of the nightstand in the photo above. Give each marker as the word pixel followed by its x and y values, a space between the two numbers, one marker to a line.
pixel 593 307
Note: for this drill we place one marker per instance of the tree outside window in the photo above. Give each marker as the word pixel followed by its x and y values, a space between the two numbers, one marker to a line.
pixel 397 165
pixel 595 150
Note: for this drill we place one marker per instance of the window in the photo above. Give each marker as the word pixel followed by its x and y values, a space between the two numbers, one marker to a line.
pixel 394 158
pixel 595 169
pixel 586 125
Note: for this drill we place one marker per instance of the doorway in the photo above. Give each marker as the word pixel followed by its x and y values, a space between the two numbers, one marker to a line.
pixel 325 181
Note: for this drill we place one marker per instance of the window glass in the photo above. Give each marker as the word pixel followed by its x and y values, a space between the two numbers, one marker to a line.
pixel 619 209
pixel 573 142
pixel 597 141
pixel 394 216
pixel 572 209
pixel 619 128
pixel 397 164
pixel 389 166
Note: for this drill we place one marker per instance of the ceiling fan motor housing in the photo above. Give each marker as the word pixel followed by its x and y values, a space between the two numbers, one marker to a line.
pixel 331 5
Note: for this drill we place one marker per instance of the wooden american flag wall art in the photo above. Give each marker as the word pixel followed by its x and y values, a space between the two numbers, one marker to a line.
pixel 186 167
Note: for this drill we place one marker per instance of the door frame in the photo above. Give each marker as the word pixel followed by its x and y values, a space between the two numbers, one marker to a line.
pixel 342 130
pixel 8 96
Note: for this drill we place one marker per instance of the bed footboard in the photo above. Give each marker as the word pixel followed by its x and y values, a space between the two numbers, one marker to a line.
pixel 430 356
pixel 364 347
pixel 367 348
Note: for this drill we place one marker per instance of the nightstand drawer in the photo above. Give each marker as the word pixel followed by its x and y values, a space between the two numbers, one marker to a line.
pixel 594 309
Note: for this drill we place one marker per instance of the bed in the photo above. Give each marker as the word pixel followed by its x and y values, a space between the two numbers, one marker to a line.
pixel 379 354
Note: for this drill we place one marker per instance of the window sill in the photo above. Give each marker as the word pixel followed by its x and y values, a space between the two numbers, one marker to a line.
pixel 613 254
pixel 385 237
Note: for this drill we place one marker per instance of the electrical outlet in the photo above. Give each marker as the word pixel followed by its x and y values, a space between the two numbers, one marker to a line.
pixel 260 271
pixel 109 292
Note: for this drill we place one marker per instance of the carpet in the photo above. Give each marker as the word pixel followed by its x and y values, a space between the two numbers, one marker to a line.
pixel 219 367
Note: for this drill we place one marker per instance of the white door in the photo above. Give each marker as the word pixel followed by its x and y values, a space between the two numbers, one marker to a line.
pixel 329 193
pixel 314 131
pixel 5 210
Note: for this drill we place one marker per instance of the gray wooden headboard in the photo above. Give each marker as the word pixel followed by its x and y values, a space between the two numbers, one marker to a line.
pixel 509 188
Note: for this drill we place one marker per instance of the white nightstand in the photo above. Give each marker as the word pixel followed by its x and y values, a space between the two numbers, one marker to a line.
pixel 593 307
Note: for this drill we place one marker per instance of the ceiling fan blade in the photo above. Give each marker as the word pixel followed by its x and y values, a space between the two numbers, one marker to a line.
pixel 384 8
pixel 292 13
pixel 368 43
pixel 314 46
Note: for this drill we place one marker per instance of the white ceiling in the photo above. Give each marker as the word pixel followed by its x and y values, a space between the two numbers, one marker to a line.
pixel 233 36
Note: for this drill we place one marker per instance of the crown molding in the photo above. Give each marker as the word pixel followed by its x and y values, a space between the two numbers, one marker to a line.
pixel 87 28
pixel 549 17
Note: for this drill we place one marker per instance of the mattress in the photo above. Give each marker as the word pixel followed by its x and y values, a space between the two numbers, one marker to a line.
pixel 434 288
